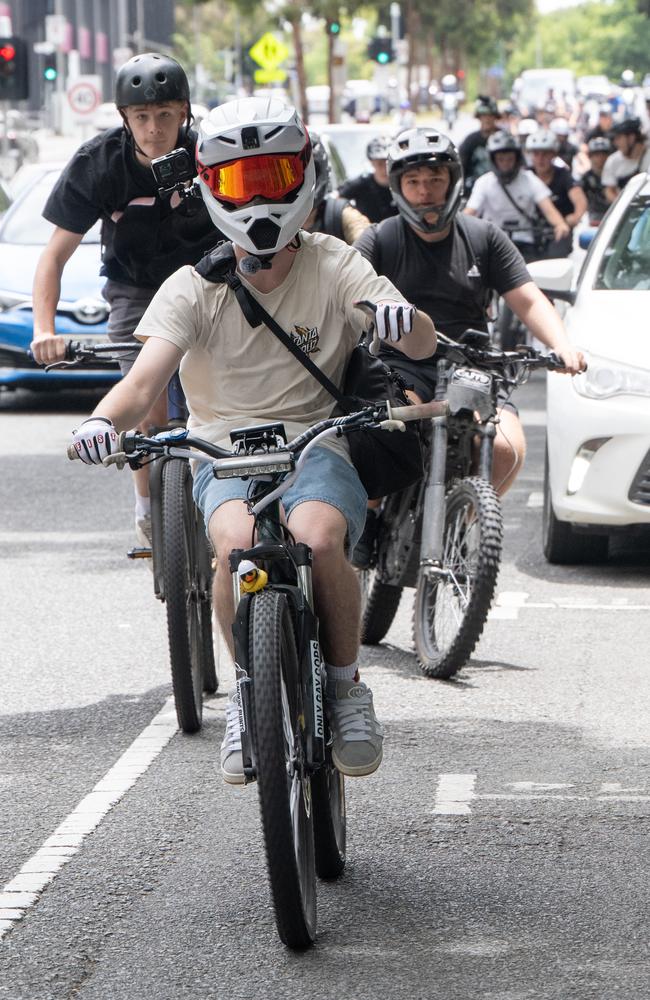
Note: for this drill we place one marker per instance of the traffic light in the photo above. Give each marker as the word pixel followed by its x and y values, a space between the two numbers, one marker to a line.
pixel 381 50
pixel 14 82
pixel 50 71
pixel 334 27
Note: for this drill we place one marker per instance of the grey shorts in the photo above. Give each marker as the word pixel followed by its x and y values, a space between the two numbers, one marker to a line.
pixel 128 305
pixel 325 477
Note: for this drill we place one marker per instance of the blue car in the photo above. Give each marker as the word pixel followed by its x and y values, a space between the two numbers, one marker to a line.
pixel 82 313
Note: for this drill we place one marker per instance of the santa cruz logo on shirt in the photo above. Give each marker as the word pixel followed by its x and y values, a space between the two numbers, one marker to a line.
pixel 306 338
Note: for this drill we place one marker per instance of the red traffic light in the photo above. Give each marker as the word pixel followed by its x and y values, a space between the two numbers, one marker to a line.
pixel 7 52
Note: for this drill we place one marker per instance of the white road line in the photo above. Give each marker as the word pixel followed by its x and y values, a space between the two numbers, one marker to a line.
pixel 508 604
pixel 454 794
pixel 25 889
pixel 535 500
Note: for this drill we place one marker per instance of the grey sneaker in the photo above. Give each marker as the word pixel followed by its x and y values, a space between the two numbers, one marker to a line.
pixel 232 766
pixel 357 737
pixel 143 531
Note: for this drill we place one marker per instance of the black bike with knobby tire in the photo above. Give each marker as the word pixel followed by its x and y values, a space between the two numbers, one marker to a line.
pixel 180 554
pixel 286 743
pixel 443 535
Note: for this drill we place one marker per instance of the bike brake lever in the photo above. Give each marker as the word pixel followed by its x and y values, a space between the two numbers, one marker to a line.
pixel 119 458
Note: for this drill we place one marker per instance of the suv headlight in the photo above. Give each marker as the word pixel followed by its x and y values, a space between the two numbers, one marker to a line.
pixel 605 378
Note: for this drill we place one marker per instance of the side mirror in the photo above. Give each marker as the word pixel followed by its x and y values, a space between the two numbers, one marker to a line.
pixel 585 238
pixel 554 278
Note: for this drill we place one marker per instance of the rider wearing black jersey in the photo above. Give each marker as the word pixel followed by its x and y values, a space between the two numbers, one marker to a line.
pixel 448 265
pixel 145 236
pixel 370 192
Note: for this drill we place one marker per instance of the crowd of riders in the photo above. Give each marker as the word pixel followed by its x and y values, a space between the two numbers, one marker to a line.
pixel 437 232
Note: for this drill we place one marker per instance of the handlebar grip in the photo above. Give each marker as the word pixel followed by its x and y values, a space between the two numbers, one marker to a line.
pixel 420 411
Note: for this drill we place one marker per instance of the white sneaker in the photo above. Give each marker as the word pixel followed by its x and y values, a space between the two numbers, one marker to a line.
pixel 232 764
pixel 143 531
pixel 357 737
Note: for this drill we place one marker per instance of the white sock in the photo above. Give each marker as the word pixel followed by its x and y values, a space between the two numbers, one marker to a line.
pixel 142 506
pixel 334 674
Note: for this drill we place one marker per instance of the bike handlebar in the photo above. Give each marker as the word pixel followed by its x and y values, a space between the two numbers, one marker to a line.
pixel 381 415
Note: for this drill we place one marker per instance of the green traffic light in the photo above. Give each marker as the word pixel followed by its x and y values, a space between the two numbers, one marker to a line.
pixel 383 57
pixel 50 73
pixel 335 27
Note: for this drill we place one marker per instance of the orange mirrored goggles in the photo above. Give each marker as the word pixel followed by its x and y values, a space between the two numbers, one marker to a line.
pixel 271 176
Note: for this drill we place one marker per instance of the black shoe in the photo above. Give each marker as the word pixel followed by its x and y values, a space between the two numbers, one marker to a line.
pixel 364 554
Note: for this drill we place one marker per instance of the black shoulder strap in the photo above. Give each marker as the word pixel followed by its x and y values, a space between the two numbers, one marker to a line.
pixel 532 219
pixel 386 248
pixel 219 266
pixel 333 216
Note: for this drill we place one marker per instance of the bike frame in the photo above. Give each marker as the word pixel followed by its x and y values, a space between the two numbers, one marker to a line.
pixel 438 477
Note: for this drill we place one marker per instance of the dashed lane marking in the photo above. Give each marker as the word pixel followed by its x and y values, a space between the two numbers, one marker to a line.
pixel 508 604
pixel 535 500
pixel 456 792
pixel 19 895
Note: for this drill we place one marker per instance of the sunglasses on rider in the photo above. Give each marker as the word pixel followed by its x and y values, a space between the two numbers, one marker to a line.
pixel 272 176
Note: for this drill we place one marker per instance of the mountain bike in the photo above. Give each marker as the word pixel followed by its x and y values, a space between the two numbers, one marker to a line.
pixel 286 744
pixel 443 535
pixel 180 554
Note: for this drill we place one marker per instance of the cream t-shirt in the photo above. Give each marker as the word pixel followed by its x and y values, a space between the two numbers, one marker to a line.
pixel 236 376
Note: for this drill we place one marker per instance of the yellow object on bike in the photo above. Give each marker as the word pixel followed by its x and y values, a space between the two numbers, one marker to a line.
pixel 251 577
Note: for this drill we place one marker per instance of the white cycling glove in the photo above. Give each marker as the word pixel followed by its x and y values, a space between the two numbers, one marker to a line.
pixel 392 319
pixel 95 440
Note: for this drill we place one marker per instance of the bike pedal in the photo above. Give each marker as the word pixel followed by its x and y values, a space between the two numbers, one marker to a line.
pixel 139 554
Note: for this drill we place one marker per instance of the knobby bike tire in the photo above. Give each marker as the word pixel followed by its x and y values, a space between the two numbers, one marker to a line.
pixel 379 604
pixel 182 598
pixel 328 797
pixel 278 737
pixel 449 613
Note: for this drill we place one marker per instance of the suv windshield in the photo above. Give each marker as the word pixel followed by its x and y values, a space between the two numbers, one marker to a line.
pixel 626 261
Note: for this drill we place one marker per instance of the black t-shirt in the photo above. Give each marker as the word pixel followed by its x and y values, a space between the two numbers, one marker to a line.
pixel 450 280
pixel 145 238
pixel 560 184
pixel 372 200
pixel 597 203
pixel 474 157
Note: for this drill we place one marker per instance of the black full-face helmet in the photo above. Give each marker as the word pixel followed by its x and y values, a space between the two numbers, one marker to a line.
pixel 599 144
pixel 486 106
pixel 151 78
pixel 425 147
pixel 505 142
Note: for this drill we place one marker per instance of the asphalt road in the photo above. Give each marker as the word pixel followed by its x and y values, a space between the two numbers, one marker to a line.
pixel 501 851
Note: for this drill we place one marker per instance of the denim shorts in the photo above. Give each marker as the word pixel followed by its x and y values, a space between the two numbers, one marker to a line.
pixel 326 476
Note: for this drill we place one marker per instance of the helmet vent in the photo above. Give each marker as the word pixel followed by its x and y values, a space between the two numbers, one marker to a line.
pixel 274 131
pixel 227 138
pixel 264 234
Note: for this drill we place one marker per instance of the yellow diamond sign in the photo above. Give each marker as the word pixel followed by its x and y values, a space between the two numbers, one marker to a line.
pixel 268 51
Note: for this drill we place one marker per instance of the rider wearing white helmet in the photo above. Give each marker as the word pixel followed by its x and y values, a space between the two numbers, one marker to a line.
pixel 257 175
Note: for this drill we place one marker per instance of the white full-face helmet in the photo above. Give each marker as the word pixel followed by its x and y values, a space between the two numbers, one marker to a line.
pixel 256 172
